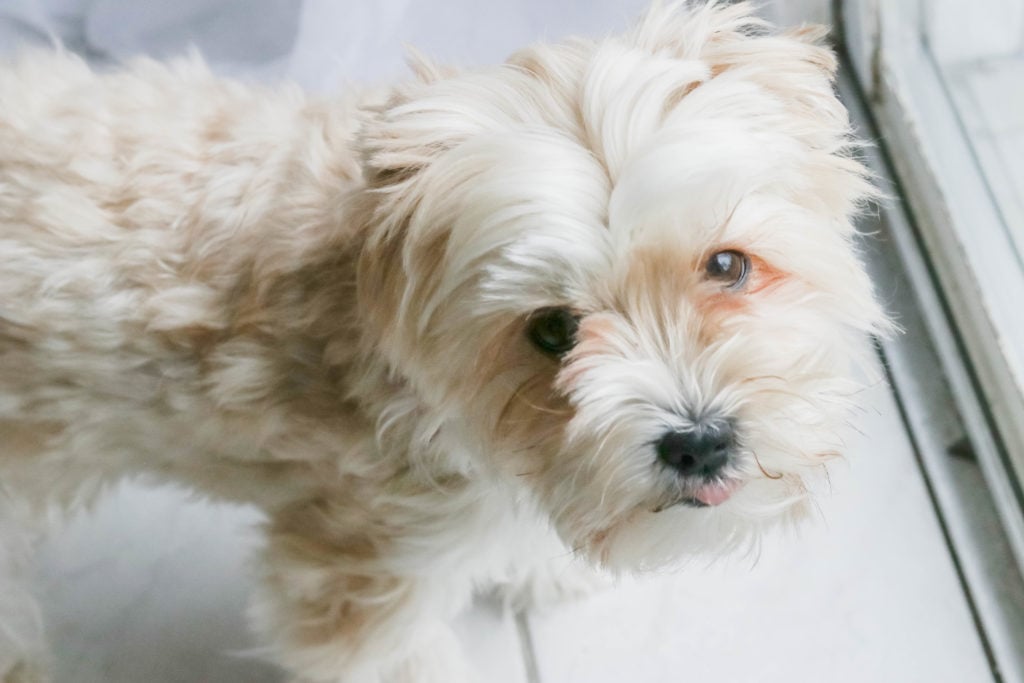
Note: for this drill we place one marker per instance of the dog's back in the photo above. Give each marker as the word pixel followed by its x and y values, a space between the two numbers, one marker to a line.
pixel 153 221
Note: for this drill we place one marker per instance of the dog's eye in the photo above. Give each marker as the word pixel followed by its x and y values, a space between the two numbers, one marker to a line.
pixel 553 330
pixel 729 267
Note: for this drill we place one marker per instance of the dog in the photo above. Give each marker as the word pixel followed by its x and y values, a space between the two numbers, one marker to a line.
pixel 598 305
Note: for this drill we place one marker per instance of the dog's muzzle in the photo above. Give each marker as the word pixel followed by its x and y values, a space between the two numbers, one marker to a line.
pixel 700 454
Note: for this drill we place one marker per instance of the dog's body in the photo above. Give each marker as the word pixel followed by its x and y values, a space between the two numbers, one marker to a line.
pixel 329 309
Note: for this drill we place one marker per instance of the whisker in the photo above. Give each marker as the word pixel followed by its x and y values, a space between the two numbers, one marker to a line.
pixel 763 470
pixel 518 396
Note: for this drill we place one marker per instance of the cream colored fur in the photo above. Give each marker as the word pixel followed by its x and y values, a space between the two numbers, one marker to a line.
pixel 318 306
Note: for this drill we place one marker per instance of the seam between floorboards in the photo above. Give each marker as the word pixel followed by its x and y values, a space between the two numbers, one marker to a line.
pixel 526 646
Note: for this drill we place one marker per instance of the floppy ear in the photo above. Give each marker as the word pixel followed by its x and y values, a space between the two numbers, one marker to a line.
pixel 398 141
pixel 390 166
pixel 408 201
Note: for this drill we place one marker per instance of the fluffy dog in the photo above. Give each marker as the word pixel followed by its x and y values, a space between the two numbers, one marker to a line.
pixel 602 298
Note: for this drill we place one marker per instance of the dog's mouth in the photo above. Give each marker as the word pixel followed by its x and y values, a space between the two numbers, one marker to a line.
pixel 708 494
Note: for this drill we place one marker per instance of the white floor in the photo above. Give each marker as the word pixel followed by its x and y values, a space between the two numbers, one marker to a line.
pixel 150 588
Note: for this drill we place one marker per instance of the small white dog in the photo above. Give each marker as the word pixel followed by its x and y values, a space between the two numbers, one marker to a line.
pixel 602 297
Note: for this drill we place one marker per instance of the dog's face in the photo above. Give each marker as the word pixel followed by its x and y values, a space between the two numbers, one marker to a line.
pixel 622 272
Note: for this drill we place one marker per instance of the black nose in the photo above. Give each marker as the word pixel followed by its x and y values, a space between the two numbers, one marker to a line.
pixel 702 450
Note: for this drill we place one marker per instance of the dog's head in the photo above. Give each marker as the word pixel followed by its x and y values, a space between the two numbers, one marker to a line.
pixel 623 272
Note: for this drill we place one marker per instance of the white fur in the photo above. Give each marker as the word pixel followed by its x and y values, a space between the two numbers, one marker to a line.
pixel 319 307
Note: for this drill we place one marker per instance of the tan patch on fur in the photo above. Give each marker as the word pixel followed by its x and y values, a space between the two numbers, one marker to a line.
pixel 23 439
pixel 592 337
pixel 664 277
pixel 720 307
pixel 342 542
pixel 534 64
pixel 669 279
pixel 675 97
pixel 764 276
pixel 517 383
pixel 218 128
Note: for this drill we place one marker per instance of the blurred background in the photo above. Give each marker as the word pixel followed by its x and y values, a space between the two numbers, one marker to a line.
pixel 913 573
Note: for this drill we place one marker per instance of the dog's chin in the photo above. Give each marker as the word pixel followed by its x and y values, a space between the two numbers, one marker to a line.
pixel 727 520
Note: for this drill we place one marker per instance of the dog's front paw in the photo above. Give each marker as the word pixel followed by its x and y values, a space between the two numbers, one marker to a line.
pixel 551 583
pixel 438 659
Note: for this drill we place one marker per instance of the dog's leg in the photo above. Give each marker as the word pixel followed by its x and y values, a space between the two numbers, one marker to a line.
pixel 361 600
pixel 545 574
pixel 22 645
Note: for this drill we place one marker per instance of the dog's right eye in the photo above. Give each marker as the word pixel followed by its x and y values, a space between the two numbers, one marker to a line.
pixel 553 330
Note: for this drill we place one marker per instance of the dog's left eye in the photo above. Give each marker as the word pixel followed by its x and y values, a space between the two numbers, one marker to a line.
pixel 729 268
pixel 553 330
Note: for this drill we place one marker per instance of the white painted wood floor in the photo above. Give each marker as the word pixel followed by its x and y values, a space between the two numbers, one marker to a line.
pixel 150 588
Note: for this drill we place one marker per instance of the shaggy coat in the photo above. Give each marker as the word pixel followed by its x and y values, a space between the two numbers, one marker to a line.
pixel 321 307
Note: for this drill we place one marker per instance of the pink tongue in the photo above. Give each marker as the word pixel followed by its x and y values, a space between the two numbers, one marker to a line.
pixel 716 494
